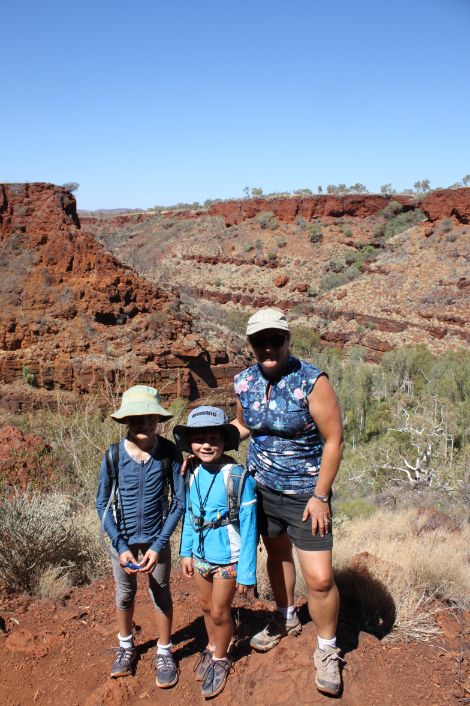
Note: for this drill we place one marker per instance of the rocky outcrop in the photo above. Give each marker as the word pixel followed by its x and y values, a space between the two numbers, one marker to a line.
pixel 290 209
pixel 447 203
pixel 74 317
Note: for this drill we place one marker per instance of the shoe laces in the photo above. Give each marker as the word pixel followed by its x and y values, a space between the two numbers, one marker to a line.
pixel 221 664
pixel 165 662
pixel 120 652
pixel 332 656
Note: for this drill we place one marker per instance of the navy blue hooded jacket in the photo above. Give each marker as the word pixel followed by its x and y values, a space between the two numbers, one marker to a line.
pixel 144 516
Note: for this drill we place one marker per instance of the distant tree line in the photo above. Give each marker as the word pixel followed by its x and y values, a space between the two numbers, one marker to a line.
pixel 255 192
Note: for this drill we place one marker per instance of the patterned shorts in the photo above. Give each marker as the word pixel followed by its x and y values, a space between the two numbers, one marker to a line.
pixel 217 571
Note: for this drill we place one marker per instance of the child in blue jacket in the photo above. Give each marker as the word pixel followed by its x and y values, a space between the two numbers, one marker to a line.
pixel 141 523
pixel 219 538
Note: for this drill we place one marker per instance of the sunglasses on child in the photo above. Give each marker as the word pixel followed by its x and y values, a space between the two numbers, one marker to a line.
pixel 273 340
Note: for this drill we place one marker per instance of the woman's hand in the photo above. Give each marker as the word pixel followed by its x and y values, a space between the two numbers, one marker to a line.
pixel 149 561
pixel 320 514
pixel 187 566
pixel 128 557
pixel 186 463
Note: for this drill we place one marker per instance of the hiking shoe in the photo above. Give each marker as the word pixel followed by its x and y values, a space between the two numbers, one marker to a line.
pixel 277 628
pixel 327 663
pixel 166 671
pixel 124 662
pixel 216 677
pixel 203 664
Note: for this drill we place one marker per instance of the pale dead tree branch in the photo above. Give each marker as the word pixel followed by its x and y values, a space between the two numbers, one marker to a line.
pixel 424 449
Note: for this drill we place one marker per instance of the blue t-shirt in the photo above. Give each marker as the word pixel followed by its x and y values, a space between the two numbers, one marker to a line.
pixel 286 447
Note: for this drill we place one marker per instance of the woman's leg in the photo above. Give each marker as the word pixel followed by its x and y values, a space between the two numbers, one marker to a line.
pixel 281 569
pixel 323 597
pixel 223 591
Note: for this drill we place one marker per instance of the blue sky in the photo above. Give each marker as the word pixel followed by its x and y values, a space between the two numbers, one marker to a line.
pixel 146 103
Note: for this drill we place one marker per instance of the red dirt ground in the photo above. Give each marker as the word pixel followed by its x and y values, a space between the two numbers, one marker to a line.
pixel 55 653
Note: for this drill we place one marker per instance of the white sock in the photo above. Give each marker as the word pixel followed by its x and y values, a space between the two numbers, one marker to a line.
pixel 125 642
pixel 322 643
pixel 287 613
pixel 218 659
pixel 164 649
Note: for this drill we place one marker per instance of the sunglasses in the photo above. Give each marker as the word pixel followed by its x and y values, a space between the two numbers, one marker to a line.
pixel 273 340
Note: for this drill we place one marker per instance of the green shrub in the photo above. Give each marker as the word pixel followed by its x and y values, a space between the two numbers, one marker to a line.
pixel 304 341
pixel 352 272
pixel 336 266
pixel 446 225
pixel 332 280
pixel 355 508
pixel 315 232
pixel 28 376
pixel 267 219
pixel 397 220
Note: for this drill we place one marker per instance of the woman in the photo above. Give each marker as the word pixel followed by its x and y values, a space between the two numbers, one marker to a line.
pixel 291 411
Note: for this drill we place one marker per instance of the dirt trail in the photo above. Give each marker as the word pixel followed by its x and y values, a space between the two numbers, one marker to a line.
pixel 55 653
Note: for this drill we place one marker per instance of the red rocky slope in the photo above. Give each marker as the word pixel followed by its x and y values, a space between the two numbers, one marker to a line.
pixel 72 314
pixel 323 258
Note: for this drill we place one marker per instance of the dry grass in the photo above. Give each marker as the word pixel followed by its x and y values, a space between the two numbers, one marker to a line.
pixel 53 582
pixel 405 577
pixel 398 587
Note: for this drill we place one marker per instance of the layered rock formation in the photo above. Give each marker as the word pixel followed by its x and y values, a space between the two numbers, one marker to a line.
pixel 73 317
pixel 326 259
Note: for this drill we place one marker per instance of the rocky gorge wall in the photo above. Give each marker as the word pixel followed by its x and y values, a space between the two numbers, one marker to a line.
pixel 73 317
pixel 328 260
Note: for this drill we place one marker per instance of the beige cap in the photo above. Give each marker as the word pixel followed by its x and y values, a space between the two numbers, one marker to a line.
pixel 266 319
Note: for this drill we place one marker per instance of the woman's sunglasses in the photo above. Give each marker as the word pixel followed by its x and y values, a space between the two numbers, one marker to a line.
pixel 273 340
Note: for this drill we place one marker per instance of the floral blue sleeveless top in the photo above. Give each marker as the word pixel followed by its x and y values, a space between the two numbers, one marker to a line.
pixel 286 448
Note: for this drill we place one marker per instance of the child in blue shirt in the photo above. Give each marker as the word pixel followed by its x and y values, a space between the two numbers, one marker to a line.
pixel 142 523
pixel 219 538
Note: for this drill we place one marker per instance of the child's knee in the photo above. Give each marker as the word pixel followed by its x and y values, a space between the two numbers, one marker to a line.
pixel 205 604
pixel 124 599
pixel 220 615
pixel 161 598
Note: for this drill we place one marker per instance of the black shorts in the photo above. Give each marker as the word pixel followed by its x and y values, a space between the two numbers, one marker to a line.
pixel 279 513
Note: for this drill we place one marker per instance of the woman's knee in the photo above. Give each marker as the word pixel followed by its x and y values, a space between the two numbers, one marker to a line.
pixel 320 582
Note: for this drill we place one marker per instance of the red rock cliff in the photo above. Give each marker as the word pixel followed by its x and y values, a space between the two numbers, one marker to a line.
pixel 72 314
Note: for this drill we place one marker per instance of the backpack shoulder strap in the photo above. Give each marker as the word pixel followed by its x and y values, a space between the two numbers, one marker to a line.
pixel 112 461
pixel 166 453
pixel 234 488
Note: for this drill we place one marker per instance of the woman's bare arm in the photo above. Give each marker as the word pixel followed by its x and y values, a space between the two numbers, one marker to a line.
pixel 239 423
pixel 324 408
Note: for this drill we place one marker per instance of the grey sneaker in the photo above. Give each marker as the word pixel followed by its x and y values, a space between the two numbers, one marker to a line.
pixel 124 661
pixel 166 671
pixel 277 628
pixel 327 663
pixel 203 664
pixel 216 677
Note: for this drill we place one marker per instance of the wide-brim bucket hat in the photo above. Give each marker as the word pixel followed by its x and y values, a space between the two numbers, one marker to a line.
pixel 139 400
pixel 206 417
